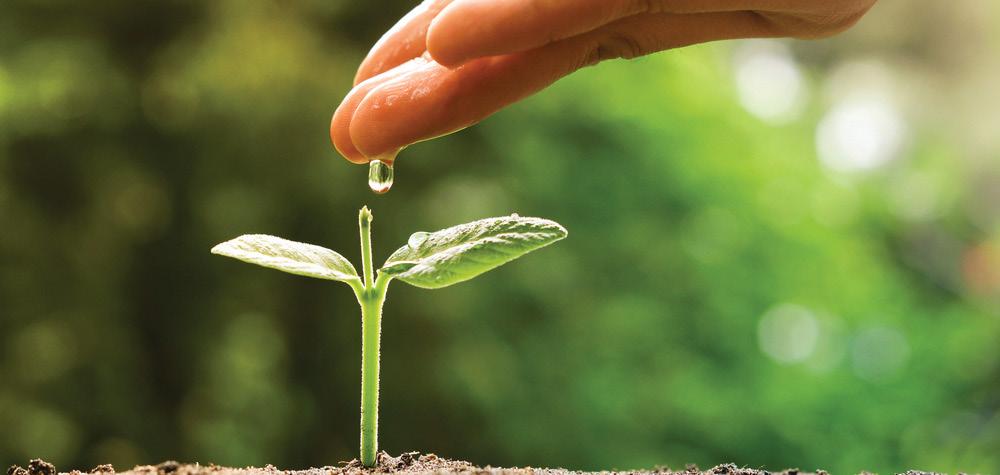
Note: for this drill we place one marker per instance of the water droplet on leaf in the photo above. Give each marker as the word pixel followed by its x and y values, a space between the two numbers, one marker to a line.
pixel 416 239
pixel 379 176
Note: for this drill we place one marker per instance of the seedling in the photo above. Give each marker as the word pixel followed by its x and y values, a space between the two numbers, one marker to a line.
pixel 428 260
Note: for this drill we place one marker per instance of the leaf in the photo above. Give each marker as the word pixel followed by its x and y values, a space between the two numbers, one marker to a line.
pixel 289 256
pixel 459 253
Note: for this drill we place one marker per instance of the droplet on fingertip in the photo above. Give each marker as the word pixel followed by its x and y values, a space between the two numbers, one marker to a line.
pixel 380 175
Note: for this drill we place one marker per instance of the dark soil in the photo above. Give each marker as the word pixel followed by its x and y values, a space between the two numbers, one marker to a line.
pixel 408 463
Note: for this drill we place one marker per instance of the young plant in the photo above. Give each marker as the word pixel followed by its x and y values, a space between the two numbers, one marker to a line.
pixel 428 260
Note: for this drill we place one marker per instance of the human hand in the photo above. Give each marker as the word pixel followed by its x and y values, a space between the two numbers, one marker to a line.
pixel 448 64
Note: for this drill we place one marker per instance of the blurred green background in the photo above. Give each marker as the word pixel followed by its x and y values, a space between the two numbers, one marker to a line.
pixel 781 253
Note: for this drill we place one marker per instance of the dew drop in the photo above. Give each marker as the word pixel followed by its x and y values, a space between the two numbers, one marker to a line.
pixel 379 176
pixel 416 239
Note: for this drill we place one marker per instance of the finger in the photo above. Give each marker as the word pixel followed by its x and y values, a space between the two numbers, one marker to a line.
pixel 340 134
pixel 645 34
pixel 429 100
pixel 401 43
pixel 467 29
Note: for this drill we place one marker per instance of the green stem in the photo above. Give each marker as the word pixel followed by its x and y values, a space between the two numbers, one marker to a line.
pixel 371 297
pixel 371 323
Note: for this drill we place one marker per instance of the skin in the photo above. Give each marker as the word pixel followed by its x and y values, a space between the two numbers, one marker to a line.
pixel 449 64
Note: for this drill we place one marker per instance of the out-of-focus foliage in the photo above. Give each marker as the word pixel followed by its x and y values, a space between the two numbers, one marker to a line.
pixel 781 253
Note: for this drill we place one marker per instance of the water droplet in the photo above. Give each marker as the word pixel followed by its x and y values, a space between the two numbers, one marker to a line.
pixel 515 215
pixel 416 239
pixel 379 176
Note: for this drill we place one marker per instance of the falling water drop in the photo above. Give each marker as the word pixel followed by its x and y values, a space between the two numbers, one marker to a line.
pixel 379 176
pixel 416 239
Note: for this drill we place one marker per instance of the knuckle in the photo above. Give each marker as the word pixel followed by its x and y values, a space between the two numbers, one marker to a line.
pixel 811 28
pixel 615 45
pixel 645 6
pixel 823 23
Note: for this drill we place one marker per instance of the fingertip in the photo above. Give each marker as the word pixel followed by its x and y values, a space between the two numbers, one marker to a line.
pixel 380 127
pixel 392 115
pixel 340 135
pixel 369 131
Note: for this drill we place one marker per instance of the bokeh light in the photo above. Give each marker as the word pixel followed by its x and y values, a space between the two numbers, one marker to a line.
pixel 769 81
pixel 860 135
pixel 788 333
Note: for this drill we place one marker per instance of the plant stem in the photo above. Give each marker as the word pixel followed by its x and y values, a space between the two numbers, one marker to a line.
pixel 371 332
pixel 371 297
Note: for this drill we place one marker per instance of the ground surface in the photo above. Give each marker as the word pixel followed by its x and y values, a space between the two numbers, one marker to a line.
pixel 412 463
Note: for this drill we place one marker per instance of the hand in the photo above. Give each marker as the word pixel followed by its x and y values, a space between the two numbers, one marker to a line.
pixel 450 63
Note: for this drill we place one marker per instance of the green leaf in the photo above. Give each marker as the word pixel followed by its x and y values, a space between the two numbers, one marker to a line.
pixel 459 253
pixel 289 256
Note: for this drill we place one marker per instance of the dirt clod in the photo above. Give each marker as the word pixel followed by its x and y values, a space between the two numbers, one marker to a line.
pixel 724 468
pixel 170 466
pixel 41 467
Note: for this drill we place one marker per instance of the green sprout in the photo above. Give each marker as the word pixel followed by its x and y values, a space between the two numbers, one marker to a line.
pixel 428 260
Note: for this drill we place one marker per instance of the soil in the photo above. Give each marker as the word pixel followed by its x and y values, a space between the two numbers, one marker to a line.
pixel 410 463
